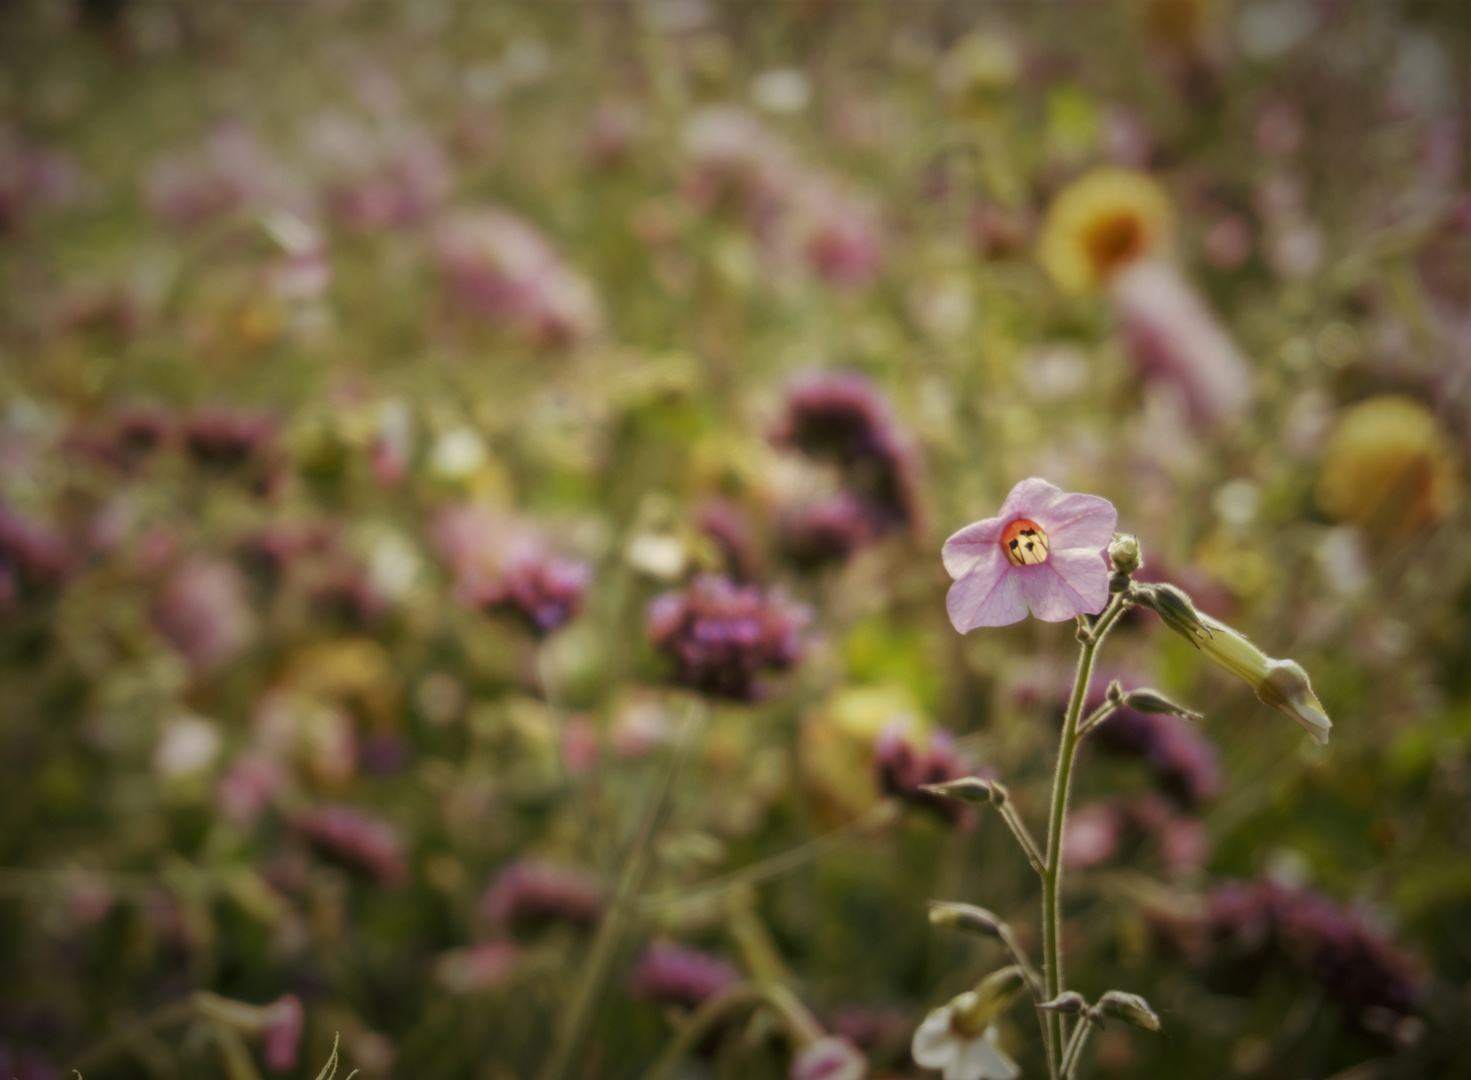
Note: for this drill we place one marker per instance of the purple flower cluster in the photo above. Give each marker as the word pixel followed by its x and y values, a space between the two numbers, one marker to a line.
pixel 725 525
pixel 542 587
pixel 529 894
pixel 673 974
pixel 33 558
pixel 1250 925
pixel 842 418
pixel 355 840
pixel 1183 761
pixel 903 771
pixel 721 635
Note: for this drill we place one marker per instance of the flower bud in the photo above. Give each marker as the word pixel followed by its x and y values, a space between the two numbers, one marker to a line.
pixel 1069 1003
pixel 968 919
pixel 1124 554
pixel 971 789
pixel 1131 1008
pixel 1175 608
pixel 1152 701
pixel 1286 688
pixel 976 1009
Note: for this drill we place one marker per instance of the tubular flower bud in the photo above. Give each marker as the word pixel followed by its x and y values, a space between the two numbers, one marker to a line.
pixel 1286 689
pixel 971 789
pixel 1282 684
pixel 968 918
pixel 1070 1003
pixel 1131 1008
pixel 1152 701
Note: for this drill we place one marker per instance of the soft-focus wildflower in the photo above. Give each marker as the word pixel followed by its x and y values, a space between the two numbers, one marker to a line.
pixel 1250 922
pixel 32 556
pixel 125 438
pixel 1183 760
pixel 282 1034
pixel 903 771
pixel 1043 553
pixel 949 1040
pixel 226 438
pixel 1102 223
pixel 249 786
pixel 481 967
pixel 203 612
pixel 529 894
pixel 843 418
pixel 392 176
pixel 232 170
pixel 189 744
pixel 500 265
pixel 356 840
pixel 721 635
pixel 1388 468
pixel 31 176
pixel 833 1057
pixel 1176 340
pixel 725 525
pixel 843 243
pixel 868 1027
pixel 674 974
pixel 829 530
pixel 1091 836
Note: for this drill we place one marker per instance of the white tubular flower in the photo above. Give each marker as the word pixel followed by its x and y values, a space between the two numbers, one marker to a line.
pixel 950 1040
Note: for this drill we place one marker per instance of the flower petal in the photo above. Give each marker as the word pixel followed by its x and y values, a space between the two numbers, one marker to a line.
pixel 982 1060
pixel 969 545
pixel 989 595
pixel 1085 573
pixel 1051 595
pixel 1080 521
pixel 934 1046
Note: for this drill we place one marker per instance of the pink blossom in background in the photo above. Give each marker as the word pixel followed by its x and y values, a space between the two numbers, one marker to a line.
pixel 376 175
pixel 1043 554
pixel 232 169
pixel 32 176
pixel 531 893
pixel 904 770
pixel 1175 339
pixel 248 786
pixel 282 1034
pixel 502 267
pixel 842 237
pixel 1091 836
pixel 478 968
pixel 204 613
pixel 674 974
pixel 357 841
pixel 831 1058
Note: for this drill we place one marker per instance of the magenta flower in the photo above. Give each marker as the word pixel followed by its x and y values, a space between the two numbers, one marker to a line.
pixel 1043 553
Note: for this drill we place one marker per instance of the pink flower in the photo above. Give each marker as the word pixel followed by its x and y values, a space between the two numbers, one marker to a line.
pixel 1044 552
pixel 283 1032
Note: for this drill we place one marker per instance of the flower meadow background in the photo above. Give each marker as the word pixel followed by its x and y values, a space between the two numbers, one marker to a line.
pixel 411 413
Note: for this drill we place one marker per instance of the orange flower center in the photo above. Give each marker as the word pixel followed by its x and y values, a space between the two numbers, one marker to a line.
pixel 1025 543
pixel 1114 242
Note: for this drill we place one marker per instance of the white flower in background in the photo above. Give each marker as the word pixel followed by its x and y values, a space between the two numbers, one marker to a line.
pixel 948 1040
pixel 188 745
pixel 457 454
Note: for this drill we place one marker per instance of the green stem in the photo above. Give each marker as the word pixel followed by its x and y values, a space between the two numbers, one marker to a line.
pixel 1052 877
pixel 700 1021
pixel 620 914
pixel 1075 1048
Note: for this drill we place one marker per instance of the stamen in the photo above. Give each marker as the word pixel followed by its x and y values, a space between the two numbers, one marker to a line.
pixel 1025 543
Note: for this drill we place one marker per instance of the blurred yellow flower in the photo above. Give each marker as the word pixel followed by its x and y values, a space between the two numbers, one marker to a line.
pixel 1388 468
pixel 1102 222
pixel 837 746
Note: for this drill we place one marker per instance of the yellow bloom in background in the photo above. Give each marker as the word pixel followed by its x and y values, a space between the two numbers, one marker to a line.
pixel 1388 468
pixel 837 746
pixel 1101 223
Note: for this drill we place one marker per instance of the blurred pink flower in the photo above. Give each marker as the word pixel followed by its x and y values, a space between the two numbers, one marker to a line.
pixel 1092 835
pixel 530 893
pixel 248 787
pixel 674 974
pixel 843 242
pixel 904 770
pixel 355 840
pixel 203 612
pixel 1176 339
pixel 504 268
pixel 1043 553
pixel 283 1032
pixel 480 967
pixel 831 1058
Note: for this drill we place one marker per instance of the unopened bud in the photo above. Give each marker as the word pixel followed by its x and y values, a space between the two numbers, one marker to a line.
pixel 968 919
pixel 990 998
pixel 1152 701
pixel 1176 609
pixel 1286 688
pixel 1124 554
pixel 971 789
pixel 1131 1008
pixel 1115 692
pixel 1069 1003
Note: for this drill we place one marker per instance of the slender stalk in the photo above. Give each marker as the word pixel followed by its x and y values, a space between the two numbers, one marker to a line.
pixel 1092 638
pixel 1075 1048
pixel 620 914
pixel 1023 837
pixel 178 1012
pixel 1097 716
pixel 701 1021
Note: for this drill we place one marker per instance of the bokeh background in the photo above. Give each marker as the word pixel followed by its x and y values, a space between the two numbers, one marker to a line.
pixel 411 412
